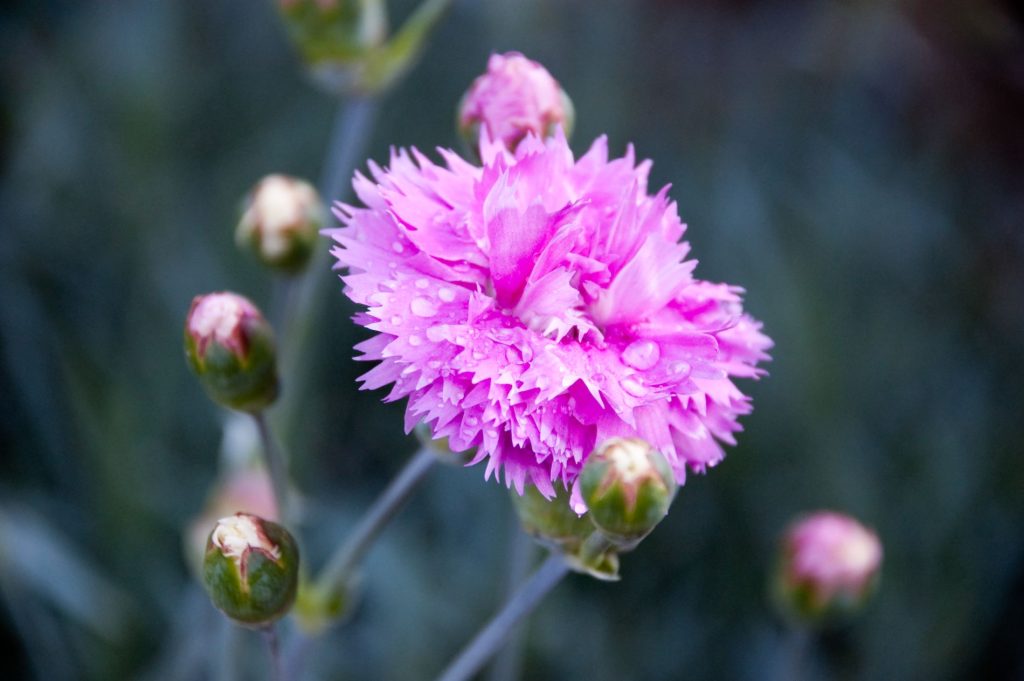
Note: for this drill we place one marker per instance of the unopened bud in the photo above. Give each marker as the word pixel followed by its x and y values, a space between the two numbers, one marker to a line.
pixel 281 220
pixel 628 487
pixel 251 569
pixel 230 347
pixel 557 527
pixel 551 521
pixel 515 97
pixel 334 30
pixel 829 567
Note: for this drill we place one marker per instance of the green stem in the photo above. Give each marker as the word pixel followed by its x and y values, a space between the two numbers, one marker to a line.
pixel 270 637
pixel 343 564
pixel 276 467
pixel 491 638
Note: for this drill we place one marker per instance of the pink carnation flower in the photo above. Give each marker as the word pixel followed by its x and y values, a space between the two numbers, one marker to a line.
pixel 516 96
pixel 539 305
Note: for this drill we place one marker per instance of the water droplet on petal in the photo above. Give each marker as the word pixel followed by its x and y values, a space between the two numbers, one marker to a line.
pixel 446 295
pixel 422 283
pixel 396 321
pixel 641 354
pixel 633 387
pixel 415 340
pixel 679 368
pixel 398 248
pixel 422 307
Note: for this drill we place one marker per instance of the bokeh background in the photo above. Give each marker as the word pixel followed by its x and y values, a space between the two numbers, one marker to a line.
pixel 856 165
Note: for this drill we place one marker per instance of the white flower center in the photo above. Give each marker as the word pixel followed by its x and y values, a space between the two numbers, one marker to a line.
pixel 239 534
pixel 630 460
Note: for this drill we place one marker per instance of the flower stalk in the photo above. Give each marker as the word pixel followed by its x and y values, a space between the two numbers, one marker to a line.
pixel 326 599
pixel 493 636
pixel 277 467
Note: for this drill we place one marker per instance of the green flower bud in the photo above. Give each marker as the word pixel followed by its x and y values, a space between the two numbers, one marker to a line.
pixel 554 524
pixel 628 487
pixel 334 30
pixel 281 220
pixel 230 347
pixel 251 569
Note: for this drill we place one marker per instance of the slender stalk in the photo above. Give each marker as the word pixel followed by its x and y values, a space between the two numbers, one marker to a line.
pixel 508 663
pixel 798 647
pixel 494 634
pixel 276 467
pixel 350 134
pixel 350 554
pixel 270 636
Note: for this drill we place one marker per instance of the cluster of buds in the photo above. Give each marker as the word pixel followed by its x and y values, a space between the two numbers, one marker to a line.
pixel 230 347
pixel 251 569
pixel 828 568
pixel 281 219
pixel 515 97
pixel 627 487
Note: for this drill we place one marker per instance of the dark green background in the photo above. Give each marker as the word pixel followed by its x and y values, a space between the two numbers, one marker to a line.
pixel 855 165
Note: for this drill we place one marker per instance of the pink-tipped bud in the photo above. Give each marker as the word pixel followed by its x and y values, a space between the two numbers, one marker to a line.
pixel 230 347
pixel 281 220
pixel 628 487
pixel 515 97
pixel 829 566
pixel 249 491
pixel 251 569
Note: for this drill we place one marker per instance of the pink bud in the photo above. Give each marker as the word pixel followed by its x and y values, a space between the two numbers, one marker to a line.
pixel 830 564
pixel 515 97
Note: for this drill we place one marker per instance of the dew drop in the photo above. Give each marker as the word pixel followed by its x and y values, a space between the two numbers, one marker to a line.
pixel 641 354
pixel 396 321
pixel 397 247
pixel 446 295
pixel 415 340
pixel 422 307
pixel 679 368
pixel 422 283
pixel 633 387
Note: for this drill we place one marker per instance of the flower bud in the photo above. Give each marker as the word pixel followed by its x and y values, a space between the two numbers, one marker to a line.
pixel 334 30
pixel 628 487
pixel 828 567
pixel 251 569
pixel 281 219
pixel 515 97
pixel 249 490
pixel 555 525
pixel 230 346
pixel 552 522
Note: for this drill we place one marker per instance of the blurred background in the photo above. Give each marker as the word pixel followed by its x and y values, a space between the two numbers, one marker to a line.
pixel 856 165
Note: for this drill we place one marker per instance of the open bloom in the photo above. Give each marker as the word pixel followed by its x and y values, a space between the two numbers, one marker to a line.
pixel 515 97
pixel 539 305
